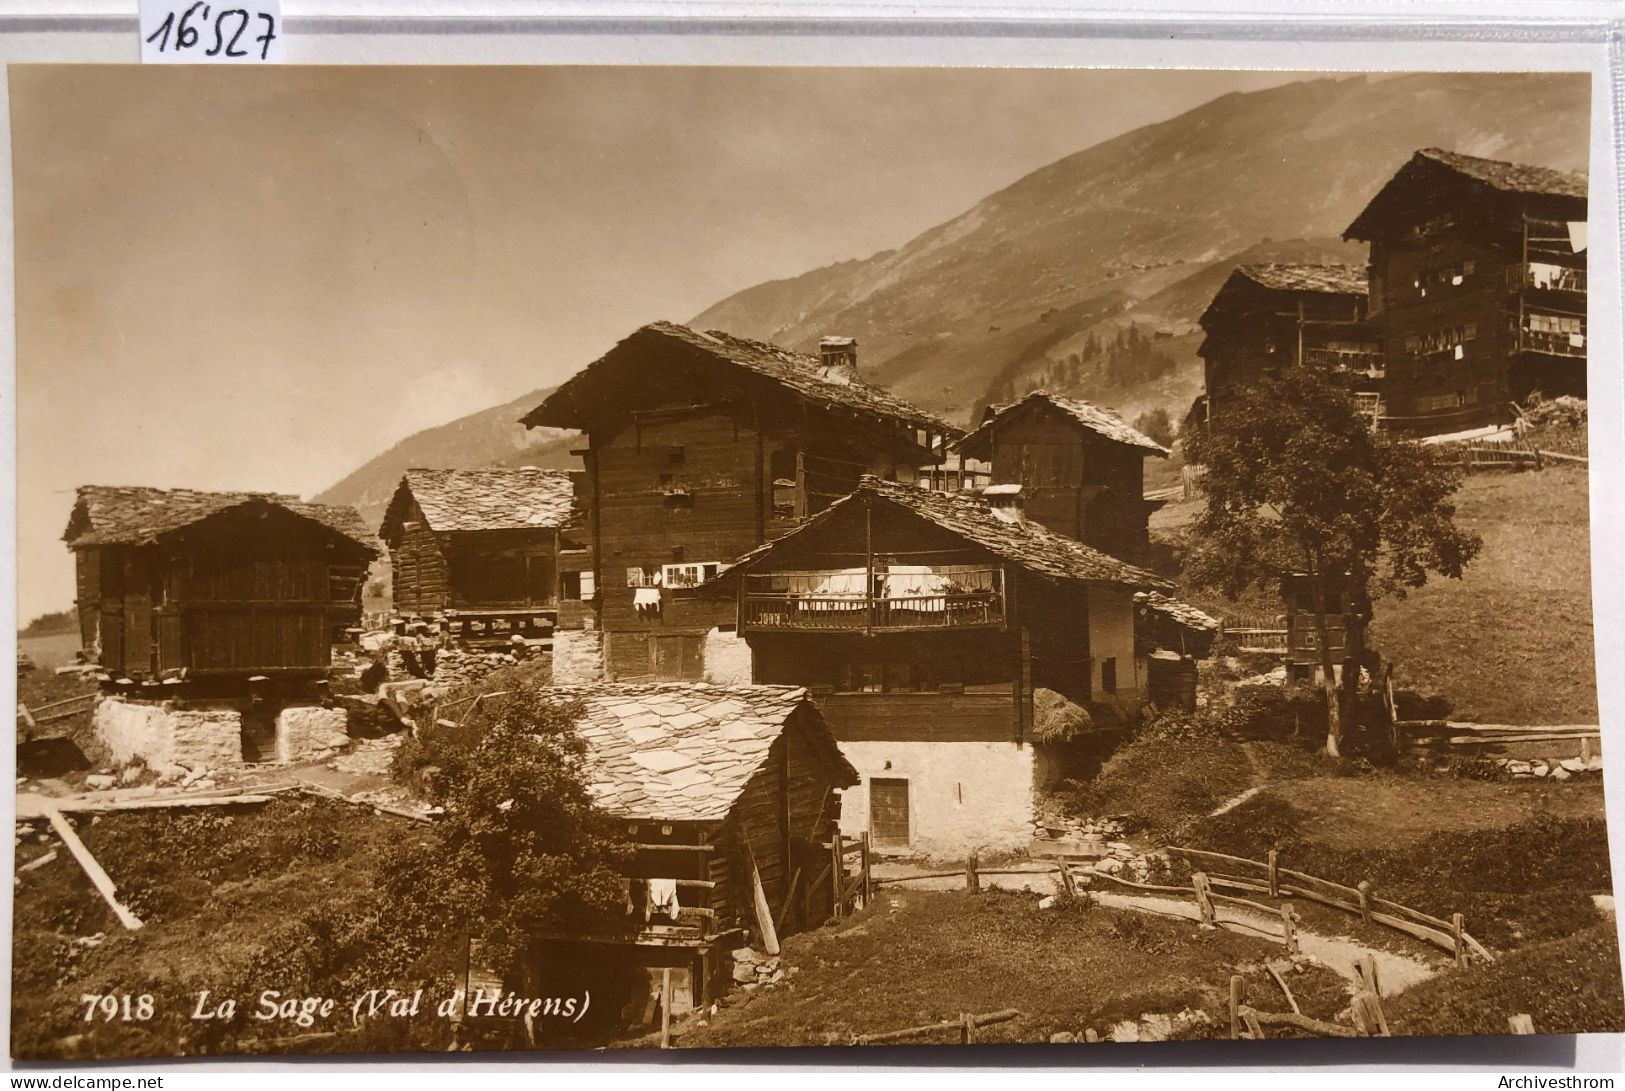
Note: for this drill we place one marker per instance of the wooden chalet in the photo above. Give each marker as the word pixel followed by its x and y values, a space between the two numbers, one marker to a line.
pixel 487 554
pixel 1477 288
pixel 1269 316
pixel 1071 466
pixel 174 583
pixel 715 785
pixel 923 623
pixel 703 446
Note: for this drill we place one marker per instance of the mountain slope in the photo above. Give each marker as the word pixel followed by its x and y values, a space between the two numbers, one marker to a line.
pixel 489 437
pixel 1140 229
pixel 941 319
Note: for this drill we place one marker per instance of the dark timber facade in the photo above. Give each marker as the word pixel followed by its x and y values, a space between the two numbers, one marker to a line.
pixel 1270 316
pixel 1071 466
pixel 701 447
pixel 183 584
pixel 1477 288
pixel 486 554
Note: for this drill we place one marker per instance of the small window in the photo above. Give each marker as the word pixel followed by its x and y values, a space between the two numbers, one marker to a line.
pixel 1108 675
pixel 636 577
pixel 570 585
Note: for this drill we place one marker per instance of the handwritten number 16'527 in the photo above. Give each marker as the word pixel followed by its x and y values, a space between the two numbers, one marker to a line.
pixel 229 27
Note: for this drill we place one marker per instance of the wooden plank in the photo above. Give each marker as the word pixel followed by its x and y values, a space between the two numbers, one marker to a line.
pixel 1303 1022
pixel 98 878
pixel 38 862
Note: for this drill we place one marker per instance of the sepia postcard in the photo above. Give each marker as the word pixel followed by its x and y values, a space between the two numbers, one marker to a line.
pixel 533 557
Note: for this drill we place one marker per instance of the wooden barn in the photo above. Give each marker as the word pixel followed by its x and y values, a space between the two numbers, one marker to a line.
pixel 715 785
pixel 1269 316
pixel 924 624
pixel 487 554
pixel 703 446
pixel 1071 466
pixel 177 583
pixel 1477 288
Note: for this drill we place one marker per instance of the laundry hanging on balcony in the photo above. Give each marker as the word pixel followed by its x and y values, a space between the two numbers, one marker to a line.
pixel 646 601
pixel 1577 235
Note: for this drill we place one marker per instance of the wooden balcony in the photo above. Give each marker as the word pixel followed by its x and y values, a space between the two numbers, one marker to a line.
pixel 1551 343
pixel 1370 364
pixel 827 602
pixel 1541 277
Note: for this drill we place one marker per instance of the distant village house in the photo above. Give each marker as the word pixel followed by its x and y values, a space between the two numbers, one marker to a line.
pixel 197 584
pixel 482 556
pixel 1071 466
pixel 1477 288
pixel 701 447
pixel 924 624
pixel 1272 316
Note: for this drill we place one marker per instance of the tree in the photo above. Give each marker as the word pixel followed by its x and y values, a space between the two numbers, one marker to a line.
pixel 1295 479
pixel 1156 424
pixel 521 848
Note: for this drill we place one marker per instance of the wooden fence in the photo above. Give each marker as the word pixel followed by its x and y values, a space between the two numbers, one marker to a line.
pixel 1269 878
pixel 56 710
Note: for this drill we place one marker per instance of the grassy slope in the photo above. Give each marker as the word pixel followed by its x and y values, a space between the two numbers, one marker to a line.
pixel 233 902
pixel 1569 986
pixel 1511 642
pixel 918 957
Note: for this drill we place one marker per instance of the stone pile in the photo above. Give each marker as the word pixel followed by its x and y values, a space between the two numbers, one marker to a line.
pixel 1550 768
pixel 1149 1027
pixel 753 969
pixel 455 669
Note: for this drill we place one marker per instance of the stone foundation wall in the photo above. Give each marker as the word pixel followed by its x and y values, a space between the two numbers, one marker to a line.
pixel 161 735
pixel 578 656
pixel 310 733
pixel 455 668
pixel 727 659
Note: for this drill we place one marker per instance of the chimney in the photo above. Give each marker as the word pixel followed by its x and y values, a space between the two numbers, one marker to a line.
pixel 838 357
pixel 1007 502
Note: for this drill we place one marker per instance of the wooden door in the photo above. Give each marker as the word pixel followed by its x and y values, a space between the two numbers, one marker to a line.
pixel 676 657
pixel 888 812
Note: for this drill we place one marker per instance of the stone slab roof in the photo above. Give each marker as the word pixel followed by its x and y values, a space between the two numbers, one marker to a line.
pixel 1095 418
pixel 137 515
pixel 1329 279
pixel 799 373
pixel 683 751
pixel 1511 177
pixel 1426 170
pixel 1183 613
pixel 1025 544
pixel 490 499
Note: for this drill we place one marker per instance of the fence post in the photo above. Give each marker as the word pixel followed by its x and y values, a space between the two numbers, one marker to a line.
pixel 1365 900
pixel 1275 879
pixel 1456 930
pixel 835 868
pixel 967 1029
pixel 863 858
pixel 665 1008
pixel 1238 993
pixel 1291 937
pixel 1204 904
pixel 1521 1024
pixel 973 881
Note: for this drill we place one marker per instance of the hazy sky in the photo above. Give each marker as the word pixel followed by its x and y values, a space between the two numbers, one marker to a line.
pixel 257 278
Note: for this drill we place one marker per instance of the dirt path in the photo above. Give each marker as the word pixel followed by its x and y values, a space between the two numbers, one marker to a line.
pixel 1395 971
